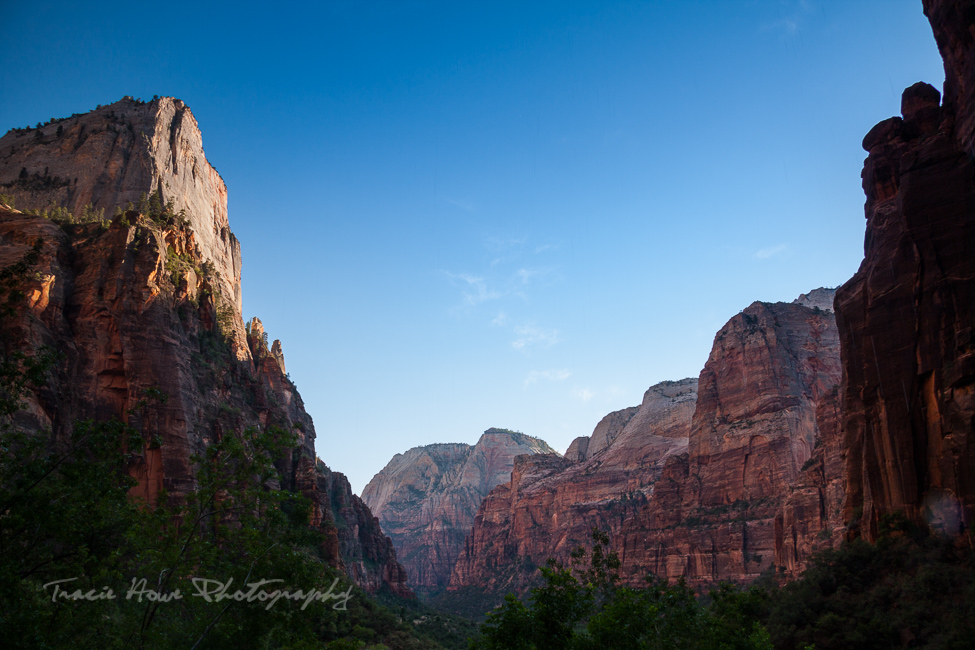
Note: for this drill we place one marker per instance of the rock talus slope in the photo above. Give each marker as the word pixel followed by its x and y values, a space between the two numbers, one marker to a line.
pixel 426 499
pixel 133 306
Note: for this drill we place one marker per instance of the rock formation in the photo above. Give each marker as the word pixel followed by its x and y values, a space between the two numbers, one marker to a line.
pixel 426 499
pixel 117 154
pixel 551 503
pixel 906 318
pixel 750 493
pixel 138 307
pixel 821 298
pixel 716 478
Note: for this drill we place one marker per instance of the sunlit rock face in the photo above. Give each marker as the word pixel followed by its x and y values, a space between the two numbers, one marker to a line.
pixel 906 318
pixel 426 498
pixel 140 307
pixel 761 483
pixel 116 154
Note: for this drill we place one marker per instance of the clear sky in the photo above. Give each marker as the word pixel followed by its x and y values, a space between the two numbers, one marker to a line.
pixel 459 215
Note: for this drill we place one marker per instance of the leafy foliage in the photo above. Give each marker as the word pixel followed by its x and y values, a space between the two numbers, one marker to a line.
pixel 585 609
pixel 85 565
pixel 907 590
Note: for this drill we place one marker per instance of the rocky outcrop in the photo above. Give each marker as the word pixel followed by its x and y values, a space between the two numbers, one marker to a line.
pixel 906 318
pixel 426 499
pixel 821 298
pixel 577 449
pixel 134 306
pixel 551 503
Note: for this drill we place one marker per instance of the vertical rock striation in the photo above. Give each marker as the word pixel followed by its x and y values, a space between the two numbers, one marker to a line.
pixel 715 478
pixel 736 503
pixel 906 318
pixel 118 153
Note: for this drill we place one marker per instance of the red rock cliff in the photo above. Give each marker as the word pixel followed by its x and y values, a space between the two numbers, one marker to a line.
pixel 712 479
pixel 906 318
pixel 750 493
pixel 136 304
pixel 551 503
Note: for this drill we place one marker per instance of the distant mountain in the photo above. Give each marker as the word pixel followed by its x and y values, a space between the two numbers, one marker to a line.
pixel 426 498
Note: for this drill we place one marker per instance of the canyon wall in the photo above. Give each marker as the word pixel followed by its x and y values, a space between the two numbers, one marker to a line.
pixel 761 483
pixel 906 318
pixel 716 478
pixel 551 503
pixel 116 154
pixel 426 498
pixel 139 313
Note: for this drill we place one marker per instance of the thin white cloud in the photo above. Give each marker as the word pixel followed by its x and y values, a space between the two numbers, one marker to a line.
pixel 531 335
pixel 475 289
pixel 792 16
pixel 501 244
pixel 582 394
pixel 463 205
pixel 533 275
pixel 548 375
pixel 771 251
pixel 500 320
pixel 545 247
pixel 525 275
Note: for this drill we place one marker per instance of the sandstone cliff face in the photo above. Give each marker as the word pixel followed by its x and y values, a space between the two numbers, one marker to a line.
pixel 821 298
pixel 712 479
pixel 115 154
pixel 426 499
pixel 906 318
pixel 133 306
pixel 743 497
pixel 551 503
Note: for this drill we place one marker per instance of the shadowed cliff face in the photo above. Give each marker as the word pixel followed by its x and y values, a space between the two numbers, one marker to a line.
pixel 906 318
pixel 426 499
pixel 137 307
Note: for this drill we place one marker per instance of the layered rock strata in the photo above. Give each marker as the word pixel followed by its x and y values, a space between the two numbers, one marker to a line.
pixel 426 499
pixel 117 154
pixel 737 503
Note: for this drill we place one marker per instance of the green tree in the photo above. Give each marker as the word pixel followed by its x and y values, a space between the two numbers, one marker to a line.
pixel 585 609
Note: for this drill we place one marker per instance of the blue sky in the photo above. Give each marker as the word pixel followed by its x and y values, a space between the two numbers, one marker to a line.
pixel 460 215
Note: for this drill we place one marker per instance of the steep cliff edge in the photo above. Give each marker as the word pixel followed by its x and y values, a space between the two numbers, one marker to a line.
pixel 137 308
pixel 116 154
pixel 906 318
pixel 426 499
